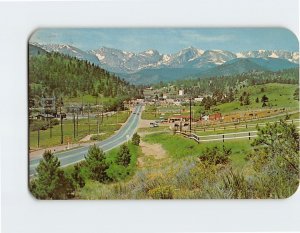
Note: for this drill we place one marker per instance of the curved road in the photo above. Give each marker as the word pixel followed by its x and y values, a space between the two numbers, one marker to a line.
pixel 74 156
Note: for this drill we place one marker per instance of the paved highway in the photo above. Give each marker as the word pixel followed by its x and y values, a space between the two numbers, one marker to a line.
pixel 75 155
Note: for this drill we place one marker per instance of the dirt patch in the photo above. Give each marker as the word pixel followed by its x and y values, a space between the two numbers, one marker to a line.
pixel 155 150
pixel 153 155
pixel 144 123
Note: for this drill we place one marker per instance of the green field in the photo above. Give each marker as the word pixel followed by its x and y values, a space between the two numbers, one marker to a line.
pixel 179 147
pixel 106 129
pixel 280 96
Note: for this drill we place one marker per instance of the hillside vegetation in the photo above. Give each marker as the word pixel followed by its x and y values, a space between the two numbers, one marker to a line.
pixel 200 86
pixel 53 74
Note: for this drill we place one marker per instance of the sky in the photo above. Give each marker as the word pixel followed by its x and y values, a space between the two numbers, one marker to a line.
pixel 170 40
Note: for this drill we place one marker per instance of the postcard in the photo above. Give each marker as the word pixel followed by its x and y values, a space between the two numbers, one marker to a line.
pixel 163 113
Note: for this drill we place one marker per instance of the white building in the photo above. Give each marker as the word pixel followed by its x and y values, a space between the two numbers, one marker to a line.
pixel 205 118
pixel 198 99
pixel 181 92
pixel 177 102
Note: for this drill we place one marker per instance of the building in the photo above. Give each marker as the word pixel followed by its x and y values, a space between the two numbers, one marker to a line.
pixel 215 117
pixel 178 118
pixel 181 92
pixel 198 99
pixel 205 118
pixel 177 102
pixel 44 117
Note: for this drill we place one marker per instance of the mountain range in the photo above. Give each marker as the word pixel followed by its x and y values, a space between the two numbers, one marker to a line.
pixel 151 66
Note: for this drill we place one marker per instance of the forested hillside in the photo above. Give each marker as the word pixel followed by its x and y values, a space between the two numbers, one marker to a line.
pixel 53 74
pixel 202 86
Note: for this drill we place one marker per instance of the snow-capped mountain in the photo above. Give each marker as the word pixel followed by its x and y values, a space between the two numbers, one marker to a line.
pixel 128 62
pixel 69 50
pixel 121 61
pixel 290 56
pixel 150 65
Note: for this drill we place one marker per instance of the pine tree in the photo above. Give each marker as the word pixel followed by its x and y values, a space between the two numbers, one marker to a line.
pixel 264 99
pixel 77 176
pixel 124 156
pixel 136 139
pixel 257 100
pixel 247 100
pixel 50 182
pixel 95 162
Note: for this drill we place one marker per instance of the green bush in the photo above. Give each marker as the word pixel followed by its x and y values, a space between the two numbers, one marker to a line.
pixel 96 137
pixel 38 125
pixel 136 139
pixel 163 192
pixel 215 156
pixel 54 121
pixel 117 172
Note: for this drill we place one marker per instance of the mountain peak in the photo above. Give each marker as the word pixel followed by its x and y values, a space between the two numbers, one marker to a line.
pixel 119 61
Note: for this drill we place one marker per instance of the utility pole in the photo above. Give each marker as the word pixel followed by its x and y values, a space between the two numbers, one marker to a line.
pixel 50 127
pixel 117 115
pixel 190 115
pixel 38 137
pixel 89 119
pixel 97 119
pixel 74 123
pixel 102 109
pixel 77 123
pixel 61 124
pixel 82 105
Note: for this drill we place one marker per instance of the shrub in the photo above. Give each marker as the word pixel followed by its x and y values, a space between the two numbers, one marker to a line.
pixel 136 139
pixel 215 156
pixel 117 172
pixel 163 192
pixel 54 122
pixel 96 137
pixel 39 125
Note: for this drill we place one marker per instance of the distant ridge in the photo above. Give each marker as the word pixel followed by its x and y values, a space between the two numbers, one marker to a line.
pixel 150 66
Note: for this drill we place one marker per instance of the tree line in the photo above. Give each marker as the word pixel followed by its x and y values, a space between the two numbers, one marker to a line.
pixel 223 84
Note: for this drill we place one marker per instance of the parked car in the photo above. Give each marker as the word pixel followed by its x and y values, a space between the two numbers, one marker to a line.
pixel 153 124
